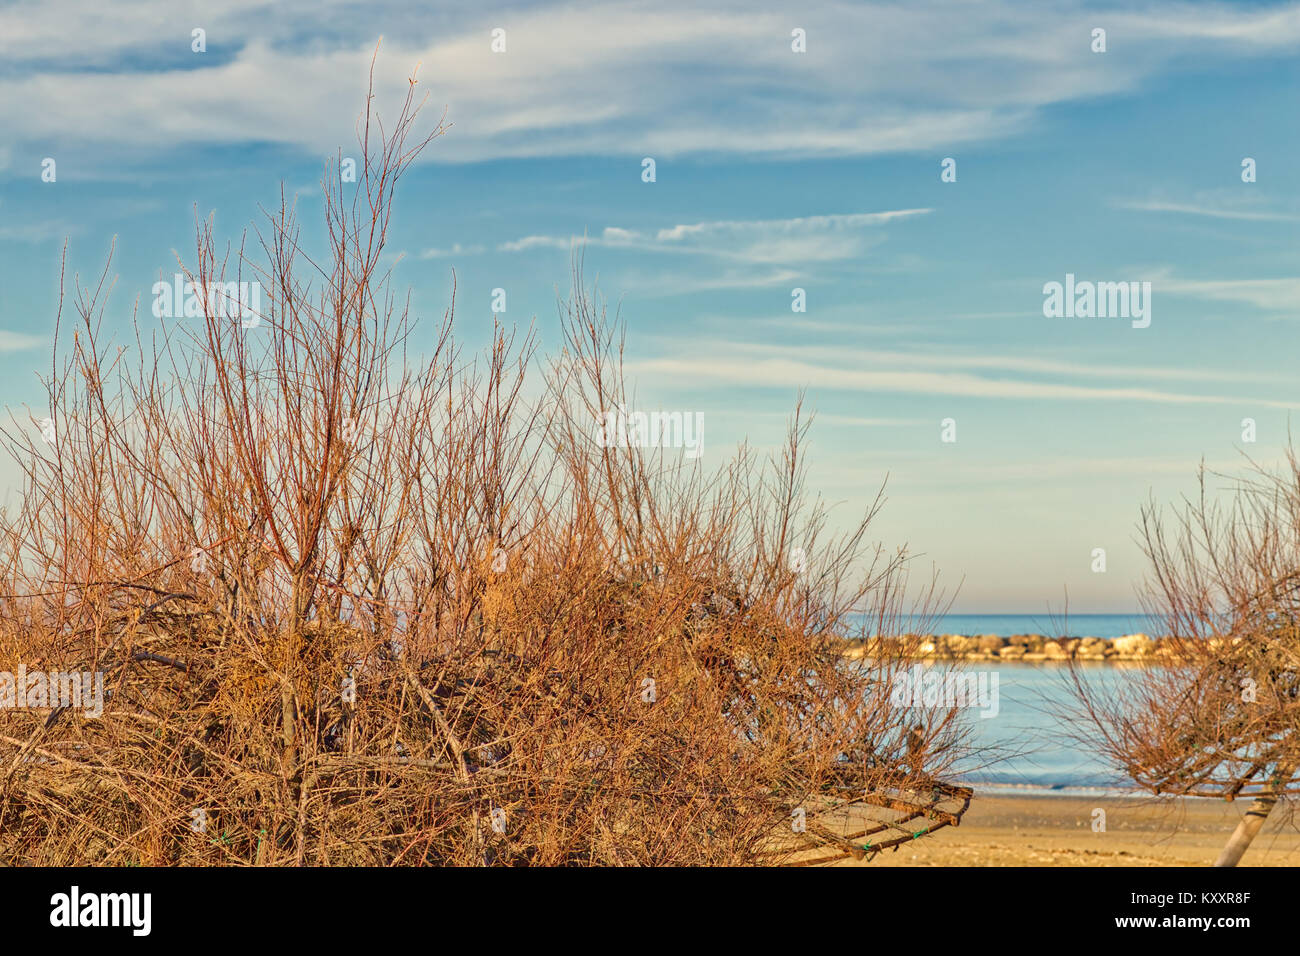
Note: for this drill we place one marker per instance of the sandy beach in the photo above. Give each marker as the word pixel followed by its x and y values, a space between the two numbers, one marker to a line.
pixel 1057 831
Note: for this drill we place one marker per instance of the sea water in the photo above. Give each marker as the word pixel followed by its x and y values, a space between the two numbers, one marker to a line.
pixel 1032 745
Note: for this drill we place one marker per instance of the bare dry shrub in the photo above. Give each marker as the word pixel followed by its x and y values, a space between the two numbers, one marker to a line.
pixel 360 599
pixel 1219 713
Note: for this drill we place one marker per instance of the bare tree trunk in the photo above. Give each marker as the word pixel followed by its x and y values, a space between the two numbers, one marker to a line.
pixel 1253 821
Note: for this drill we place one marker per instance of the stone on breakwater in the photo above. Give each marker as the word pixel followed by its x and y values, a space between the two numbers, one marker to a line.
pixel 1135 645
pixel 959 643
pixel 1019 647
pixel 1091 647
pixel 1032 643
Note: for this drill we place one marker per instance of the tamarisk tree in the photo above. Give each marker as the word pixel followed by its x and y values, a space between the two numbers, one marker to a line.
pixel 1219 715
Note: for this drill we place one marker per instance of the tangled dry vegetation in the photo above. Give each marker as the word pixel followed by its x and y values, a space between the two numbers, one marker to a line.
pixel 1221 716
pixel 360 598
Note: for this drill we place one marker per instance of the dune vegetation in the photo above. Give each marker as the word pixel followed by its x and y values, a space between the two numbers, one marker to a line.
pixel 361 595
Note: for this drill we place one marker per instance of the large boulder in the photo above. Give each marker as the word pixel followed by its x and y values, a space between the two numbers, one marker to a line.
pixel 1054 651
pixel 960 644
pixel 1030 642
pixel 1091 647
pixel 1133 645
pixel 989 642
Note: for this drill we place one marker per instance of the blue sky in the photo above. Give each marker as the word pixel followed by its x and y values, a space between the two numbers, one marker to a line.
pixel 775 170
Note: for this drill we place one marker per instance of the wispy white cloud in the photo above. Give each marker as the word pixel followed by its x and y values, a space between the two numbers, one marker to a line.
pixel 760 277
pixel 43 230
pixel 802 239
pixel 544 242
pixel 19 341
pixel 456 249
pixel 1019 364
pixel 855 421
pixel 1275 295
pixel 799 224
pixel 1213 212
pixel 1139 469
pixel 766 367
pixel 623 77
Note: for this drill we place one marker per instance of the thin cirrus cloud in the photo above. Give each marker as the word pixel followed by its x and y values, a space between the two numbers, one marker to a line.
pixel 768 367
pixel 594 78
pixel 1271 295
pixel 744 278
pixel 1119 469
pixel 761 241
pixel 19 341
pixel 1006 363
pixel 455 249
pixel 1208 210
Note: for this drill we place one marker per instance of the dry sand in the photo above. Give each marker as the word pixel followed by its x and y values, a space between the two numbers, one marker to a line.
pixel 1057 831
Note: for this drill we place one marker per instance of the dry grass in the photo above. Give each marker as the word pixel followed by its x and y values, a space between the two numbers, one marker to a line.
pixel 361 600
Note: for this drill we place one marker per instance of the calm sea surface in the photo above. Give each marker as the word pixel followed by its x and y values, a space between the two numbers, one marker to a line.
pixel 1029 744
pixel 1029 748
